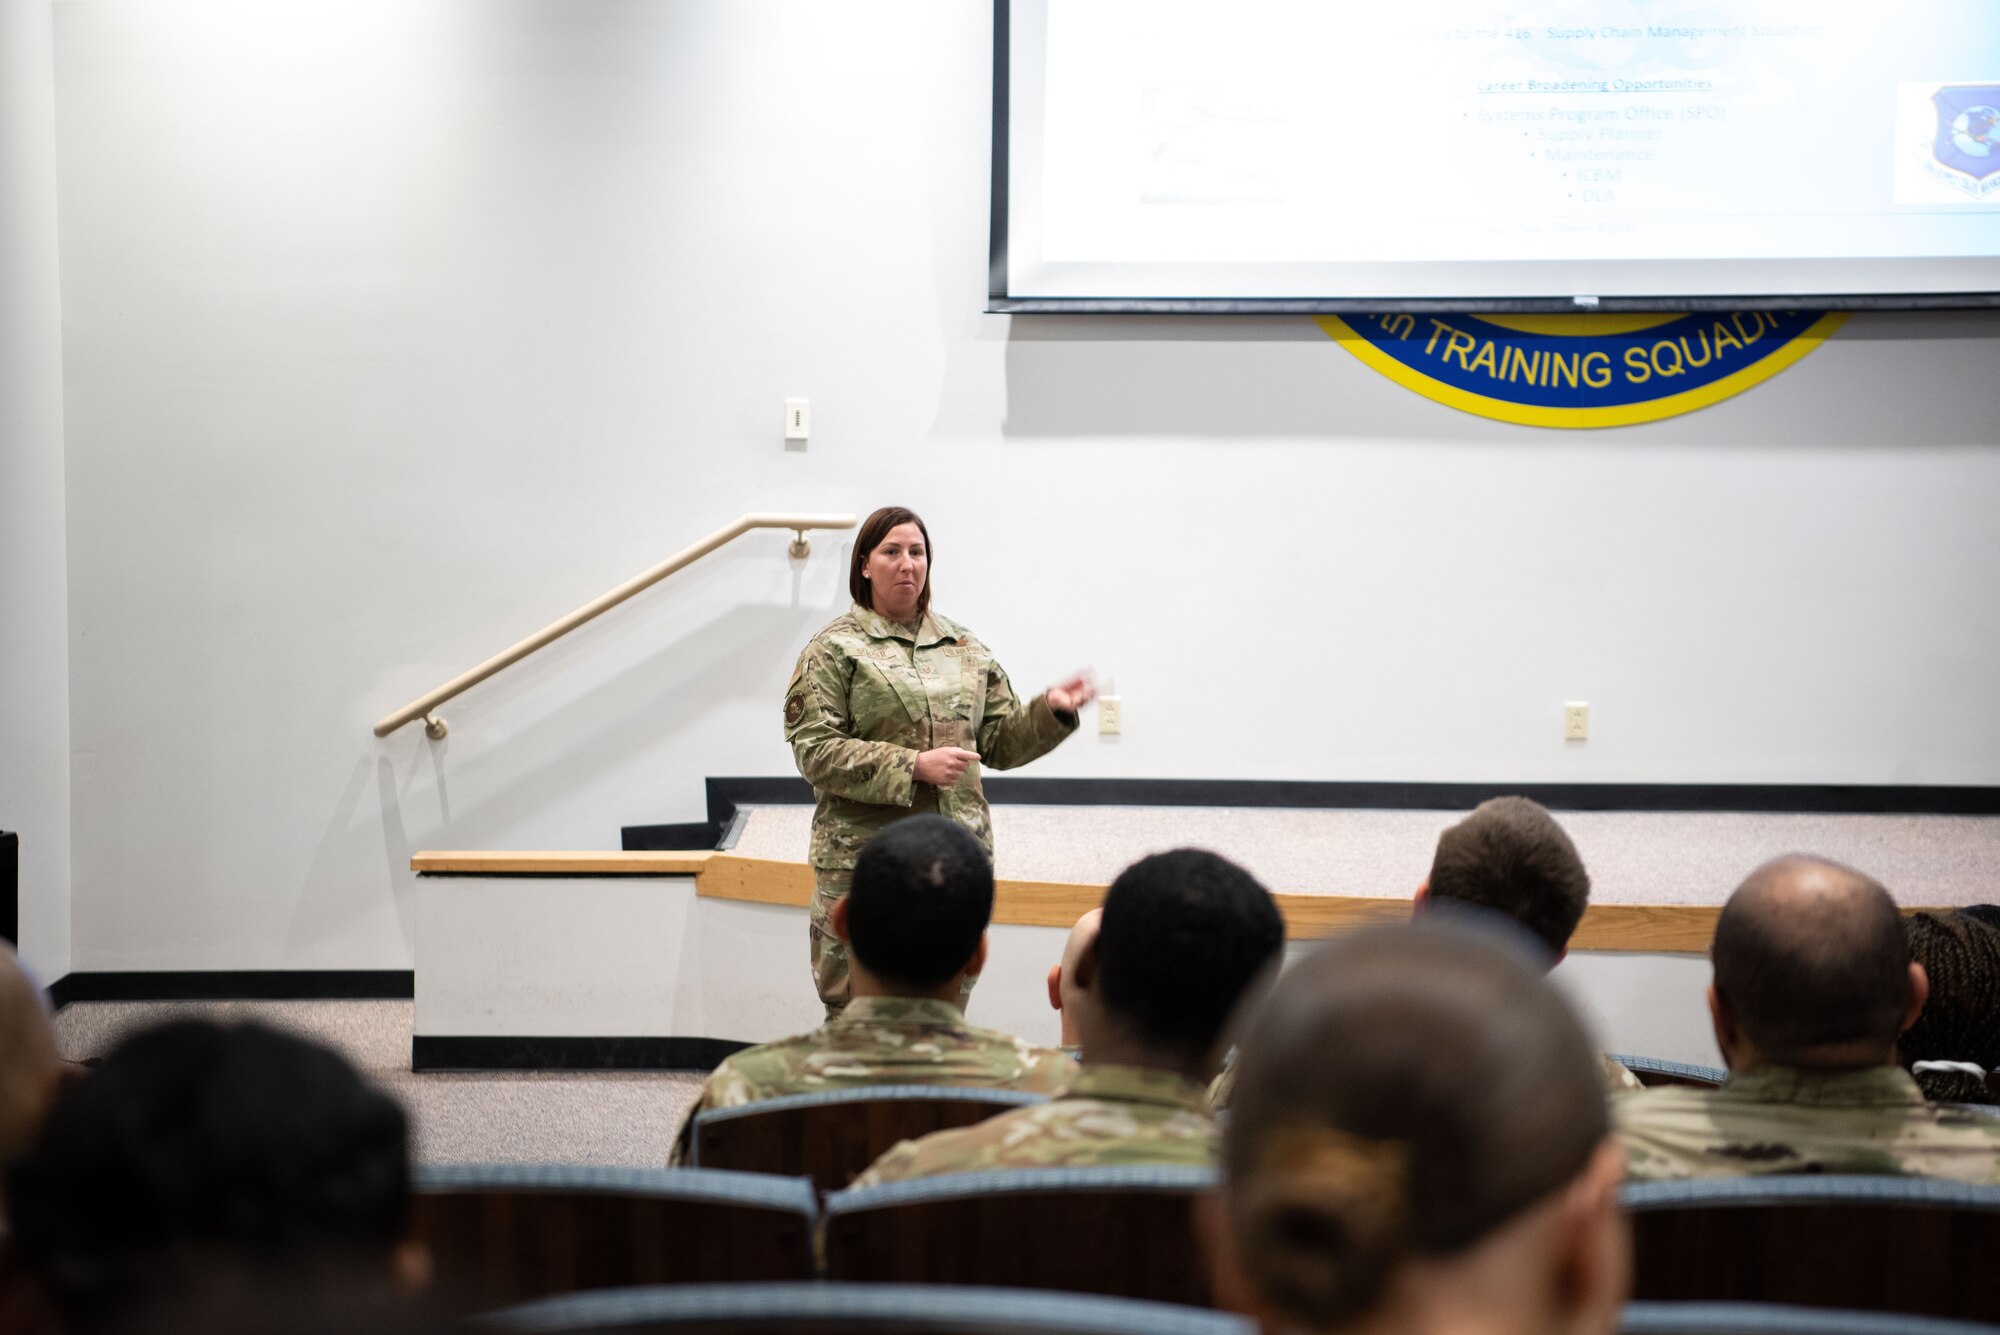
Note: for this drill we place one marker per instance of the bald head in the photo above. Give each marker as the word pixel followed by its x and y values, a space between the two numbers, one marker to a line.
pixel 29 1067
pixel 1081 937
pixel 1063 992
pixel 1812 963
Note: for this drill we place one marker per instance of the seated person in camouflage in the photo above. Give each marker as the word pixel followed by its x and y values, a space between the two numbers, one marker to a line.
pixel 1954 1047
pixel 1183 937
pixel 1510 857
pixel 1813 984
pixel 200 1158
pixel 1420 1143
pixel 915 926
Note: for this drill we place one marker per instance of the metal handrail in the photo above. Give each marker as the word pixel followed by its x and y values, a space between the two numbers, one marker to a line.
pixel 423 706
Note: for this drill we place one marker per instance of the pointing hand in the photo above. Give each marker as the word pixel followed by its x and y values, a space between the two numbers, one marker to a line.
pixel 943 766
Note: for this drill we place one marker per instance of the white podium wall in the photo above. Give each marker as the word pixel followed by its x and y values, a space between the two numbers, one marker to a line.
pixel 645 958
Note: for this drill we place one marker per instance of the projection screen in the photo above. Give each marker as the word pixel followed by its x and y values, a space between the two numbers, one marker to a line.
pixel 1609 154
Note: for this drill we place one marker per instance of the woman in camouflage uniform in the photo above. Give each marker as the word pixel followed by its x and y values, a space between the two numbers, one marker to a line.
pixel 891 711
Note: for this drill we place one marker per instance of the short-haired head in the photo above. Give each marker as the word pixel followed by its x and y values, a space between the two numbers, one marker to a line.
pixel 1811 955
pixel 1400 1095
pixel 236 1143
pixel 873 530
pixel 1183 936
pixel 921 899
pixel 1510 856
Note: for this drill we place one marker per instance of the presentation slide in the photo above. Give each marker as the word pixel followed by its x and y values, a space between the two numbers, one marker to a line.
pixel 1437 149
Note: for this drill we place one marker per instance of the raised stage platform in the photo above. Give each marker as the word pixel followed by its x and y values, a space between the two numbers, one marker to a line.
pixel 667 959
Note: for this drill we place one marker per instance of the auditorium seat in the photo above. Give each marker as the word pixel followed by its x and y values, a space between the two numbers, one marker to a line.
pixel 504 1233
pixel 24 1307
pixel 1125 1231
pixel 1658 1071
pixel 1885 1244
pixel 1777 1319
pixel 858 1309
pixel 831 1136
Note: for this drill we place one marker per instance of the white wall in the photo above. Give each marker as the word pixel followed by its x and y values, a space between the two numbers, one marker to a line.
pixel 396 328
pixel 34 611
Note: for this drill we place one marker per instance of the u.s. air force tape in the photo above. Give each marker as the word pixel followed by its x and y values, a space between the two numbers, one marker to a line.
pixel 1582 370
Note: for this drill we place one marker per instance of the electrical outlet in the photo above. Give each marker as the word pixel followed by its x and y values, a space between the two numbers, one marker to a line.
pixel 798 418
pixel 1110 717
pixel 1576 721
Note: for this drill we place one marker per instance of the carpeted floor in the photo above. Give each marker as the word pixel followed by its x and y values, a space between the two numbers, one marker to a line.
pixel 625 1118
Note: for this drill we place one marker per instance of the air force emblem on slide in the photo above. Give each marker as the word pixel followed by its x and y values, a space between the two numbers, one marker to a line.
pixel 1966 152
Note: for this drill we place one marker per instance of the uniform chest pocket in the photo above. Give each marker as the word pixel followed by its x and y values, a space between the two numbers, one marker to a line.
pixel 885 696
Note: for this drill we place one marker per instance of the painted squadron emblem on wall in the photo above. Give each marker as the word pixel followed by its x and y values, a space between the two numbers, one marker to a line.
pixel 1582 370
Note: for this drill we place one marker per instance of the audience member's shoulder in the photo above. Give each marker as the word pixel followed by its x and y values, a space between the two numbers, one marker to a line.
pixel 1657 1101
pixel 964 1149
pixel 1750 1127
pixel 1665 1128
pixel 1102 1117
pixel 1617 1080
pixel 1042 1136
pixel 1036 1068
pixel 759 1072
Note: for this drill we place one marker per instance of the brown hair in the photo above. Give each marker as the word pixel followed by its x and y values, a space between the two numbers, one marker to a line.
pixel 1808 954
pixel 873 529
pixel 1403 1093
pixel 1510 856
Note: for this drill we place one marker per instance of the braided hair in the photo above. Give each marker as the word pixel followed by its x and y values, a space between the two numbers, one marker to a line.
pixel 1960 950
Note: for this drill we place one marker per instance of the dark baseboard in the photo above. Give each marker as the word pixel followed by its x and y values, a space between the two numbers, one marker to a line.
pixel 1762 798
pixel 236 985
pixel 727 794
pixel 669 838
pixel 432 1052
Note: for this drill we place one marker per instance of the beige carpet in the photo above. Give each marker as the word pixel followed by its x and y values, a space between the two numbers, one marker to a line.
pixel 1634 857
pixel 625 1118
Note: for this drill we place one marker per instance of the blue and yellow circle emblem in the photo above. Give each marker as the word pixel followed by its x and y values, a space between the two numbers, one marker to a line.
pixel 1582 370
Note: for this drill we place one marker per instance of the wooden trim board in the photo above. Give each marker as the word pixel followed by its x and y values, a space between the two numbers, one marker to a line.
pixel 1613 927
pixel 756 880
pixel 1648 927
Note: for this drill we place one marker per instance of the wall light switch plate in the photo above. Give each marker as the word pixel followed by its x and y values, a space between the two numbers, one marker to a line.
pixel 798 418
